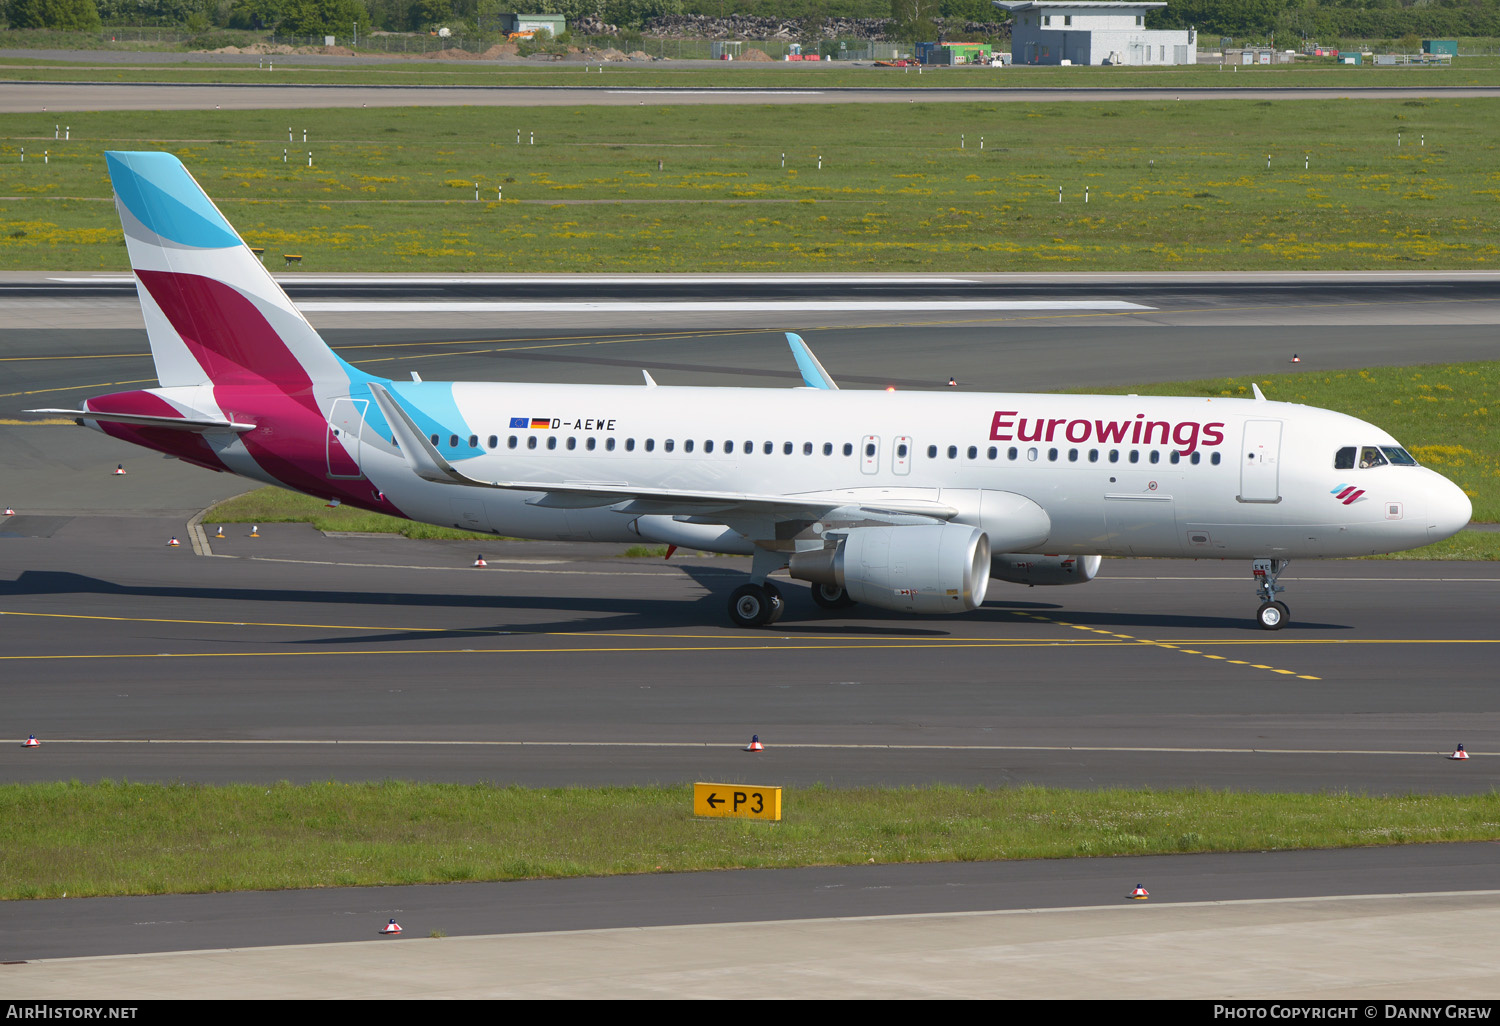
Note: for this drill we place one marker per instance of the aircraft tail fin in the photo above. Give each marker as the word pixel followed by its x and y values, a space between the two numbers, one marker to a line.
pixel 214 315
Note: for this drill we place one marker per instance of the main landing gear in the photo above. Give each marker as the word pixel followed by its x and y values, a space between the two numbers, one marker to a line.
pixel 1272 614
pixel 756 605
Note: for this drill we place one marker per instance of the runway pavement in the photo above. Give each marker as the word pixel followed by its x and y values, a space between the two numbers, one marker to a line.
pixel 26 96
pixel 568 664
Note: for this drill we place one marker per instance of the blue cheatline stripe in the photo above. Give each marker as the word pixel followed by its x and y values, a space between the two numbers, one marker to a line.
pixel 159 192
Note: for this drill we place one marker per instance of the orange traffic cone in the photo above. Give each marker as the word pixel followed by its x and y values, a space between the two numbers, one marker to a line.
pixel 755 745
pixel 392 927
pixel 31 742
pixel 119 470
pixel 173 543
pixel 255 531
pixel 1459 753
pixel 479 560
pixel 1139 892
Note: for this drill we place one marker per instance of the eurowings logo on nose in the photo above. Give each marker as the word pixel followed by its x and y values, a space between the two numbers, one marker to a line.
pixel 1347 494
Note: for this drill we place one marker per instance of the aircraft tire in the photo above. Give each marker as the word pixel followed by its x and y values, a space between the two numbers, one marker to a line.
pixel 750 606
pixel 1272 616
pixel 778 603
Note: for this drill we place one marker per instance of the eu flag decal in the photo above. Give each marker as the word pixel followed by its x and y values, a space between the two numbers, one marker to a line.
pixel 518 422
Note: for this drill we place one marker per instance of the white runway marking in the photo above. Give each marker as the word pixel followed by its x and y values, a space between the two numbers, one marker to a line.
pixel 333 742
pixel 723 306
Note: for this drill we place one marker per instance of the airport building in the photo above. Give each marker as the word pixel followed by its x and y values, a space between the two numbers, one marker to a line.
pixel 1094 32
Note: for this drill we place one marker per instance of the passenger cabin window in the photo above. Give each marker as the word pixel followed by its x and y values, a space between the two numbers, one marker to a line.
pixel 1344 458
pixel 786 448
pixel 807 448
pixel 531 442
pixel 552 441
pixel 828 449
pixel 494 441
pixel 589 444
pixel 510 443
pixel 973 452
pixel 609 445
pixel 932 452
pixel 953 452
pixel 848 448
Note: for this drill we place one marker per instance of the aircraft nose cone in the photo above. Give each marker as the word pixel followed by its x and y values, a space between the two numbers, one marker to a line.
pixel 1448 511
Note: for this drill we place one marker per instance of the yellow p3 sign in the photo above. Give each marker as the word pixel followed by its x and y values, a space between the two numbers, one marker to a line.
pixel 740 801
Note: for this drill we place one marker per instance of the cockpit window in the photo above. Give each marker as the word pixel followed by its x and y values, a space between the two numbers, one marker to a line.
pixel 1399 456
pixel 1344 458
pixel 1370 456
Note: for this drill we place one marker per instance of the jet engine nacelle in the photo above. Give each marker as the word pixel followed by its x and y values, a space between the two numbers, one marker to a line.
pixel 920 568
pixel 1026 568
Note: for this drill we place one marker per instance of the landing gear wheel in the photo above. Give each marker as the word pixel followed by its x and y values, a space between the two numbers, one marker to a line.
pixel 778 604
pixel 750 606
pixel 1286 614
pixel 1271 616
pixel 831 596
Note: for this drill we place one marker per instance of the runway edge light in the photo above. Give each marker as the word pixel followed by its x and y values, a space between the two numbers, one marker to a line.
pixel 1459 753
pixel 755 745
pixel 479 560
pixel 31 742
pixel 1139 893
pixel 391 929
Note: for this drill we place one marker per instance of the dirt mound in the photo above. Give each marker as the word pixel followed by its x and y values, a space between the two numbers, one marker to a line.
pixel 499 50
pixel 753 54
pixel 454 54
pixel 638 55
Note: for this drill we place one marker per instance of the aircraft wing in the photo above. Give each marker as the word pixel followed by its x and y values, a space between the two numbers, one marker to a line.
pixel 427 463
pixel 198 424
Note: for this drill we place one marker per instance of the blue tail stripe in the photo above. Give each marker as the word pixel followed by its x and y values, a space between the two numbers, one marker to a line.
pixel 160 194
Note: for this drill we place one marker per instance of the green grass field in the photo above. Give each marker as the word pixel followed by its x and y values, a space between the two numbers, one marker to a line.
pixel 1171 186
pixel 114 838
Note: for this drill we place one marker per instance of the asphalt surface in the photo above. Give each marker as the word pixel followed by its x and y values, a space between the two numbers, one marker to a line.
pixel 568 664
pixel 25 96
pixel 110 926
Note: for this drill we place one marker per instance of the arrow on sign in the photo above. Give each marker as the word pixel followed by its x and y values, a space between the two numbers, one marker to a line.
pixel 714 801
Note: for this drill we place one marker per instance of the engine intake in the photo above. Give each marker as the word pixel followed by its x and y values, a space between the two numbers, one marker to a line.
pixel 1029 568
pixel 937 568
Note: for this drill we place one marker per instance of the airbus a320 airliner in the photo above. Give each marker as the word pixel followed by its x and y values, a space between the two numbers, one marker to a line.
pixel 900 500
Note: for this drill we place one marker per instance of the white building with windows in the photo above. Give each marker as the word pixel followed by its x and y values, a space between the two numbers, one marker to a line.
pixel 1094 32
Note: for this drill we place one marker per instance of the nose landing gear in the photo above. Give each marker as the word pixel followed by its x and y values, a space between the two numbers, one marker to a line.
pixel 1272 614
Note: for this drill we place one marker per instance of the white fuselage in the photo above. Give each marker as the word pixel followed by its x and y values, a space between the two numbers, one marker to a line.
pixel 1116 475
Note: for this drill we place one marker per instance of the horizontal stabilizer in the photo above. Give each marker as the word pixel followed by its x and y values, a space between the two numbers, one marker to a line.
pixel 199 424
